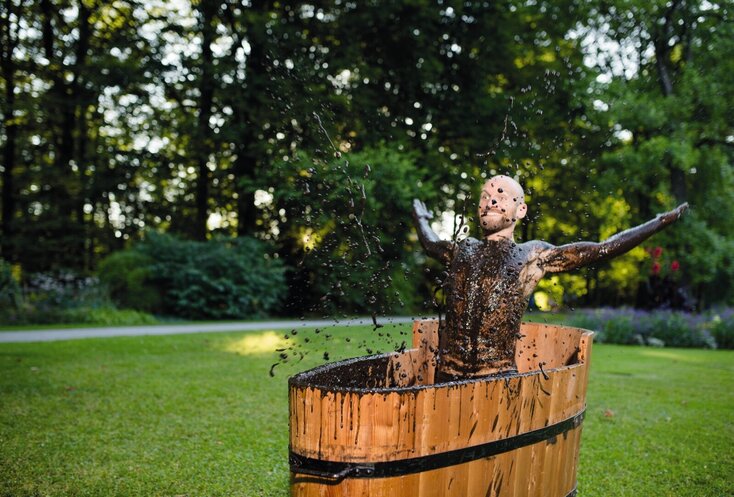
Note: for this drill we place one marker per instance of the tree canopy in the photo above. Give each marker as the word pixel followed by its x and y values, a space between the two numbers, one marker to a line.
pixel 312 125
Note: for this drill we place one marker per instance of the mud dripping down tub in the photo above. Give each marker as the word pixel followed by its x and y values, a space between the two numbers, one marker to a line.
pixel 378 425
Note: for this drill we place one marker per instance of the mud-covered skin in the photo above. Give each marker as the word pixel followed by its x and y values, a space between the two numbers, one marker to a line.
pixel 485 301
pixel 489 284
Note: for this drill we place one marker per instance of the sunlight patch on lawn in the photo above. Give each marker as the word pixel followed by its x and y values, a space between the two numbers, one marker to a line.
pixel 673 355
pixel 259 343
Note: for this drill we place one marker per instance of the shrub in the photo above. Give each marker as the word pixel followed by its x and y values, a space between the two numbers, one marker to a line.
pixel 102 316
pixel 722 329
pixel 127 276
pixel 106 316
pixel 217 279
pixel 64 289
pixel 10 293
pixel 680 329
pixel 627 326
pixel 611 325
pixel 61 297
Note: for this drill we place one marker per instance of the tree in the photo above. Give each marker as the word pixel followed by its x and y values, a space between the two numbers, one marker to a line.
pixel 71 59
pixel 189 118
pixel 9 39
pixel 667 107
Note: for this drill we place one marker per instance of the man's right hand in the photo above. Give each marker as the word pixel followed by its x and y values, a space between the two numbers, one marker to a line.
pixel 440 250
pixel 420 211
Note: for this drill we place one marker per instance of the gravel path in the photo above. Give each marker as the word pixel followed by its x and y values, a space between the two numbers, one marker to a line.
pixel 178 329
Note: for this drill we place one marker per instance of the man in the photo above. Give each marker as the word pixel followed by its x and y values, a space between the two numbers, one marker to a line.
pixel 490 281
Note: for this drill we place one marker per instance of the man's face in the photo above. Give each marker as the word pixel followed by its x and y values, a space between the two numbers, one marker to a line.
pixel 501 204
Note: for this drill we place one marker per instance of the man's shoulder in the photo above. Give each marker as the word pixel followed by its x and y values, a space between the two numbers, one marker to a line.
pixel 469 242
pixel 535 246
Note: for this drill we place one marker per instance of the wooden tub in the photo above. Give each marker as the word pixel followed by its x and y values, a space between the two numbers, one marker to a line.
pixel 378 426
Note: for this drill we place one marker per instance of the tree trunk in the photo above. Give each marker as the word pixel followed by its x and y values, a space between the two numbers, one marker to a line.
pixel 662 52
pixel 62 105
pixel 9 42
pixel 81 160
pixel 65 116
pixel 8 206
pixel 244 168
pixel 202 144
pixel 81 99
pixel 678 184
pixel 60 122
pixel 661 43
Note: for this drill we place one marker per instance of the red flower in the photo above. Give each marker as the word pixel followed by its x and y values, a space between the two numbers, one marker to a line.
pixel 656 268
pixel 657 252
pixel 674 266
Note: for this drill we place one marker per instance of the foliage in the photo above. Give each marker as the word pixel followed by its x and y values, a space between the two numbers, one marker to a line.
pixel 671 126
pixel 127 275
pixel 72 74
pixel 349 222
pixel 105 316
pixel 99 316
pixel 65 297
pixel 121 118
pixel 10 292
pixel 668 328
pixel 722 329
pixel 64 289
pixel 221 278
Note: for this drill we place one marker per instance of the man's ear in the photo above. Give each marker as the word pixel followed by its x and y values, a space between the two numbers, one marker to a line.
pixel 522 210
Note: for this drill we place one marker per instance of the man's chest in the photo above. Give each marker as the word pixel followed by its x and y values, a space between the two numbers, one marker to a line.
pixel 492 269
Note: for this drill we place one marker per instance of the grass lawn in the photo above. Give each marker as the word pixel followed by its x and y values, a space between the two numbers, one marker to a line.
pixel 199 415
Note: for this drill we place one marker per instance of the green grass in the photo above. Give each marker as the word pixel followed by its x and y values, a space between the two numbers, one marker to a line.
pixel 660 422
pixel 199 415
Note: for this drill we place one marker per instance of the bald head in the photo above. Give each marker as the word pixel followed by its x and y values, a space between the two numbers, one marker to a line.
pixel 506 182
pixel 501 204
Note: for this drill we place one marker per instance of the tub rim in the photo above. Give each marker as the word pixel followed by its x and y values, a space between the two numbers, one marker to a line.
pixel 300 380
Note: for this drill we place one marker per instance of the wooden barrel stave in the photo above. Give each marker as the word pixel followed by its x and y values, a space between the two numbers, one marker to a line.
pixel 538 470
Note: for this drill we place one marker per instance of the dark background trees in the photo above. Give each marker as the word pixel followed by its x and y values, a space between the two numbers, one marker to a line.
pixel 269 119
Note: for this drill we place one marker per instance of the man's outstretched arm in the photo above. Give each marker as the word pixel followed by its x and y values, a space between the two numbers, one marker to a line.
pixel 432 244
pixel 575 255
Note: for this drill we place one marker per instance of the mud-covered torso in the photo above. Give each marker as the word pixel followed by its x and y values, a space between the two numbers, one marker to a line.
pixel 485 301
